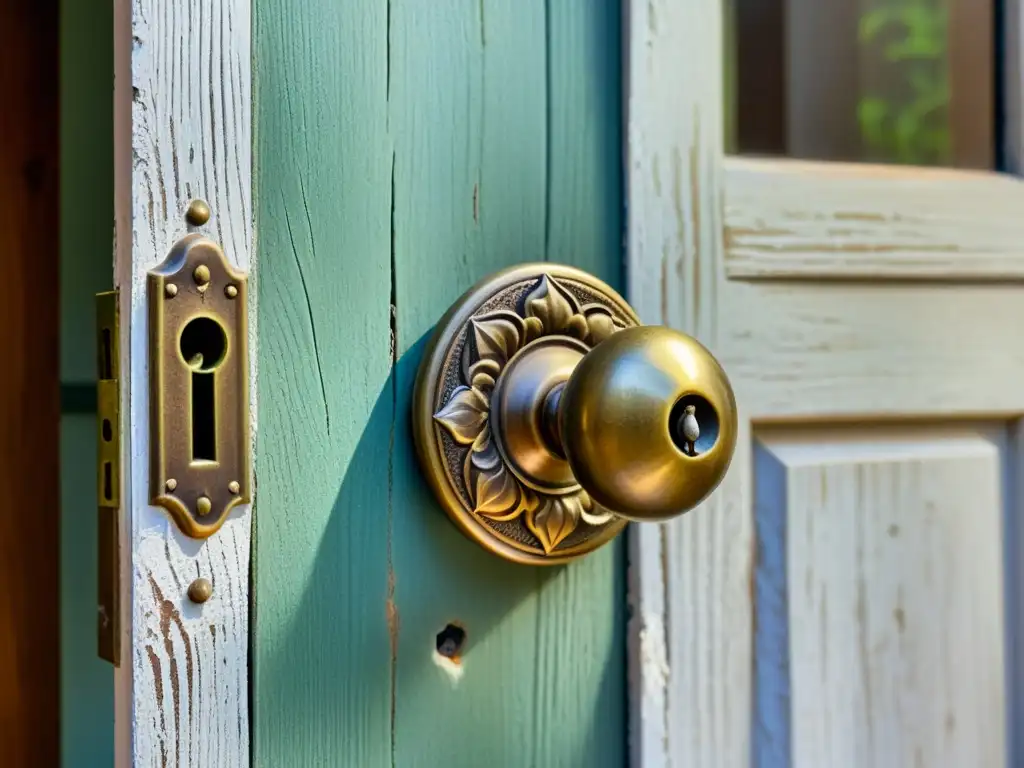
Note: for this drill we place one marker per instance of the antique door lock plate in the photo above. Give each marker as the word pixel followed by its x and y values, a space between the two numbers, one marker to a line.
pixel 545 417
pixel 108 477
pixel 199 396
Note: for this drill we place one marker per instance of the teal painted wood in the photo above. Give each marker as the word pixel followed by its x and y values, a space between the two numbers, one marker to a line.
pixel 321 655
pixel 87 214
pixel 434 143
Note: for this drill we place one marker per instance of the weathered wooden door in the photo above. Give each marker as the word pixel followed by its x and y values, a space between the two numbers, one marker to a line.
pixel 851 595
pixel 367 162
pixel 846 598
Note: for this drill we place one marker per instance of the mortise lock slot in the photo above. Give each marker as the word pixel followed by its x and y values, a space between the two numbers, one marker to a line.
pixel 199 396
pixel 106 355
pixel 107 484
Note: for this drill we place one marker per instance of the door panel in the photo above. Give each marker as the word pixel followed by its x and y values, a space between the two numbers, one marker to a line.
pixel 879 596
pixel 182 129
pixel 838 221
pixel 876 496
pixel 402 153
pixel 852 583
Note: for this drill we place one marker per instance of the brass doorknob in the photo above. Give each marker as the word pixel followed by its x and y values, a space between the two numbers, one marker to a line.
pixel 546 417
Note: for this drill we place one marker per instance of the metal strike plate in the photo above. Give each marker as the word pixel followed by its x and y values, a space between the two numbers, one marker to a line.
pixel 199 391
pixel 108 478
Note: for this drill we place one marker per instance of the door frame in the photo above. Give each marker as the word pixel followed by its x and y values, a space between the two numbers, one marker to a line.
pixel 165 113
pixel 30 509
pixel 692 691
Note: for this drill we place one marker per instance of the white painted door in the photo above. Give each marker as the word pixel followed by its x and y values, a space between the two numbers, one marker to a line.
pixel 847 597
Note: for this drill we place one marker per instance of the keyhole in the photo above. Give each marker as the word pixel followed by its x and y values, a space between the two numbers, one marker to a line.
pixel 702 415
pixel 203 345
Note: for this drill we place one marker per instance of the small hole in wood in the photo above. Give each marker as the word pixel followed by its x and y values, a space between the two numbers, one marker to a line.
pixel 450 641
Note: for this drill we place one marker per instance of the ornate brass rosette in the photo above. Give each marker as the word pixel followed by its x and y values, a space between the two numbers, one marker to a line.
pixel 479 401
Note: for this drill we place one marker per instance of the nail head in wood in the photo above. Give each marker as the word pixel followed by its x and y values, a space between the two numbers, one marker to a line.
pixel 200 590
pixel 198 213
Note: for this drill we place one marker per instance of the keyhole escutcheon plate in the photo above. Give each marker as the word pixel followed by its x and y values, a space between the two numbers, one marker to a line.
pixel 199 386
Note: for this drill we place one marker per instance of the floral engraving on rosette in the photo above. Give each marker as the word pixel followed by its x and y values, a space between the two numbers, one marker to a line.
pixel 497 494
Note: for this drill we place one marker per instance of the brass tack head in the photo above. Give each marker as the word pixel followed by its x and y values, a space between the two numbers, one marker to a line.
pixel 230 291
pixel 200 590
pixel 171 484
pixel 201 274
pixel 171 290
pixel 233 487
pixel 198 213
pixel 203 506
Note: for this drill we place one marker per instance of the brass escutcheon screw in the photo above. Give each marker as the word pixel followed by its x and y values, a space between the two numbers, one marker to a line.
pixel 200 590
pixel 198 213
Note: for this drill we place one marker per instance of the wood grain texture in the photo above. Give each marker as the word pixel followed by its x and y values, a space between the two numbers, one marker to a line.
pixel 690 579
pixel 436 144
pixel 30 387
pixel 525 87
pixel 842 351
pixel 880 611
pixel 790 220
pixel 838 293
pixel 322 654
pixel 182 131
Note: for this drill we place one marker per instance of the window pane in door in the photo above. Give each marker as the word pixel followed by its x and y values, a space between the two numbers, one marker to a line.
pixel 891 81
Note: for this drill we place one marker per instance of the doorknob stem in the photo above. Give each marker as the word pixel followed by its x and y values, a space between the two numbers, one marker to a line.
pixel 550 418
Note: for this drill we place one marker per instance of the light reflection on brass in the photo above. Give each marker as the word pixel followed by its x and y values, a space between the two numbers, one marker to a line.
pixel 544 418
pixel 617 425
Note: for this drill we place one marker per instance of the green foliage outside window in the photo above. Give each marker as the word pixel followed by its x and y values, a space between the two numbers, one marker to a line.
pixel 904 114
